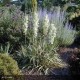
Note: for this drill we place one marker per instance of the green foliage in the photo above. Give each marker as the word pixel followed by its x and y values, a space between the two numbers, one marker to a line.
pixel 50 3
pixel 47 3
pixel 40 52
pixel 31 5
pixel 34 5
pixel 5 49
pixel 34 41
pixel 11 22
pixel 11 34
pixel 72 8
pixel 42 56
pixel 68 39
pixel 5 2
pixel 65 32
pixel 8 66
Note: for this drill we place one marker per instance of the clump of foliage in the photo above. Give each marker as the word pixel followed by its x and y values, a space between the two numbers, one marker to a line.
pixel 30 5
pixel 65 32
pixel 41 50
pixel 35 38
pixel 68 39
pixel 44 33
pixel 11 22
pixel 8 66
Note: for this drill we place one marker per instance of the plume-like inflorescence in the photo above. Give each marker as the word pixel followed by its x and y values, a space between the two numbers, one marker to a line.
pixel 35 24
pixel 26 24
pixel 52 33
pixel 46 24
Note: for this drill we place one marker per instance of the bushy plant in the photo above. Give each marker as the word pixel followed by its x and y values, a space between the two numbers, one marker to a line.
pixel 41 50
pixel 45 32
pixel 68 35
pixel 8 66
pixel 11 20
pixel 11 23
pixel 36 37
pixel 65 31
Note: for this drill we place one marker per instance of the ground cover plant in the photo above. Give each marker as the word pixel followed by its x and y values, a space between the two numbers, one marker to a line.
pixel 8 66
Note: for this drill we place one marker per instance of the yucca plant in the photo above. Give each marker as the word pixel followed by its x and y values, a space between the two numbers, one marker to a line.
pixel 41 51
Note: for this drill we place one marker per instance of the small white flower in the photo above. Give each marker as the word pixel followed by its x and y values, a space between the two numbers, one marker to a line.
pixel 52 33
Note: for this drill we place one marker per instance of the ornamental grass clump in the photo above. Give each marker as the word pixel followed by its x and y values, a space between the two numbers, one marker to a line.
pixel 41 52
pixel 69 35
pixel 65 32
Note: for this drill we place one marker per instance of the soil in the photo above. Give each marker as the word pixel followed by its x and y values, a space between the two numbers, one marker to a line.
pixel 72 57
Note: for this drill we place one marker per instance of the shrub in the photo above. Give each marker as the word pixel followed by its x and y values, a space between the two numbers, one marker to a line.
pixel 41 50
pixel 68 35
pixel 46 31
pixel 65 31
pixel 11 23
pixel 42 34
pixel 8 66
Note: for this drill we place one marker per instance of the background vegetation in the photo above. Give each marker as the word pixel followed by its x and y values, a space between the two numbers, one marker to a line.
pixel 32 32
